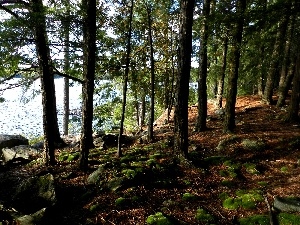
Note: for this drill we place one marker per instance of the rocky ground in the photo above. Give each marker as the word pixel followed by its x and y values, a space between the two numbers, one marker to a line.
pixel 230 179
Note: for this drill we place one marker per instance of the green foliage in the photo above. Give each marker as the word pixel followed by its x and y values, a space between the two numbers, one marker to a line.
pixel 227 183
pixel 253 145
pixel 2 99
pixel 129 173
pixel 262 183
pixel 231 203
pixel 255 220
pixel 288 219
pixel 158 219
pixel 35 140
pixel 203 216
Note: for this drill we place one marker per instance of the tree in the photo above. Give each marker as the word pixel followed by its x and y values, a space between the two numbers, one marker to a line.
pixel 151 119
pixel 183 77
pixel 128 50
pixel 89 62
pixel 229 120
pixel 202 86
pixel 293 110
pixel 275 58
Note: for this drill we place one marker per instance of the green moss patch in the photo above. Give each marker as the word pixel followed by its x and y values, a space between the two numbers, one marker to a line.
pixel 158 219
pixel 255 220
pixel 288 219
pixel 203 216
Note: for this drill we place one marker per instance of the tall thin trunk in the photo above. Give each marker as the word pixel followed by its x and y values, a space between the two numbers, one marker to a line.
pixel 66 69
pixel 220 87
pixel 89 55
pixel 229 120
pixel 151 119
pixel 183 78
pixel 202 88
pixel 119 153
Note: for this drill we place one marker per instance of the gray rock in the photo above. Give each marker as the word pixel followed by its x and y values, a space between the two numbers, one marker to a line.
pixel 32 219
pixel 8 141
pixel 287 204
pixel 21 152
pixel 97 176
pixel 35 193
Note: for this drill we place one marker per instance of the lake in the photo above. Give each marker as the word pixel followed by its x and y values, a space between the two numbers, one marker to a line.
pixel 21 112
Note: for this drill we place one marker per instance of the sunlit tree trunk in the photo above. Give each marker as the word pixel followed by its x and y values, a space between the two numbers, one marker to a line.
pixel 183 78
pixel 89 55
pixel 229 120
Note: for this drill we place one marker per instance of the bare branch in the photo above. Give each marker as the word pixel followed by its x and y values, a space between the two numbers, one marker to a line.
pixel 66 75
pixel 8 11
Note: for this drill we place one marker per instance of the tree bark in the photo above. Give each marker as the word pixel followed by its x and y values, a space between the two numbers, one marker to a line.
pixel 50 125
pixel 183 77
pixel 89 55
pixel 151 119
pixel 275 59
pixel 220 85
pixel 202 88
pixel 284 79
pixel 66 69
pixel 229 120
pixel 293 110
pixel 128 50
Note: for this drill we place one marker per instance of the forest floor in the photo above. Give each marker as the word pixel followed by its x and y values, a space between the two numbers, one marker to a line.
pixel 228 177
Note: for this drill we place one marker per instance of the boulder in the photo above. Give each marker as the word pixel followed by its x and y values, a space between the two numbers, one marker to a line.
pixel 32 219
pixel 287 204
pixel 8 141
pixel 23 153
pixel 97 176
pixel 35 193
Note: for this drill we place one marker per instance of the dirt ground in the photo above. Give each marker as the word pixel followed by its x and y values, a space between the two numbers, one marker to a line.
pixel 277 164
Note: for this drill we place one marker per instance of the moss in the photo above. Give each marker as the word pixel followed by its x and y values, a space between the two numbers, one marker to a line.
pixel 121 202
pixel 158 219
pixel 288 219
pixel 244 199
pixel 129 173
pixel 253 145
pixel 227 183
pixel 189 197
pixel 284 169
pixel 262 183
pixel 251 168
pixel 203 216
pixel 231 203
pixel 255 220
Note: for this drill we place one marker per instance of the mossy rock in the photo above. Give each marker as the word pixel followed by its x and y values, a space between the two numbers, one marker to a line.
pixel 225 143
pixel 122 202
pixel 255 220
pixel 158 219
pixel 244 199
pixel 215 160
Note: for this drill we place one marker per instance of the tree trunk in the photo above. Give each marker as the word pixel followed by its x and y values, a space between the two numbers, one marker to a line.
pixel 229 120
pixel 202 88
pixel 50 125
pixel 183 77
pixel 66 69
pixel 151 119
pixel 293 110
pixel 119 153
pixel 275 59
pixel 89 55
pixel 284 80
pixel 220 87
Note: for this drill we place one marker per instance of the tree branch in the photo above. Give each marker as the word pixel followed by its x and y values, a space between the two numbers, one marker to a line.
pixel 67 76
pixel 8 11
